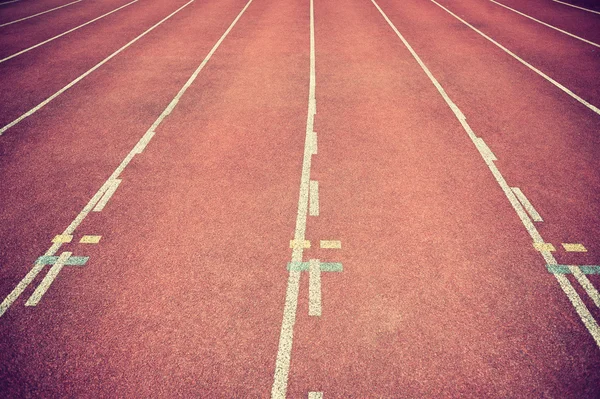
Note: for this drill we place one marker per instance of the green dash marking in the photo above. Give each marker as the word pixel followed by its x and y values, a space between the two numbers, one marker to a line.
pixel 564 269
pixel 325 267
pixel 72 261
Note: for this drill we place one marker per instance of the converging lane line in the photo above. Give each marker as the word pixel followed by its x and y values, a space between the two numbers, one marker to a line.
pixel 64 33
pixel 35 15
pixel 286 336
pixel 38 266
pixel 581 309
pixel 546 24
pixel 573 5
pixel 98 65
pixel 522 61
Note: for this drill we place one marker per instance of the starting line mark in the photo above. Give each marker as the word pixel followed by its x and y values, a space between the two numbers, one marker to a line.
pixel 566 269
pixel 304 266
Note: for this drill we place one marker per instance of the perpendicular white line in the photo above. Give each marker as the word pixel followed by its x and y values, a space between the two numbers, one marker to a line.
pixel 527 205
pixel 107 195
pixel 286 335
pixel 522 61
pixel 581 8
pixel 583 312
pixel 313 206
pixel 546 24
pixel 18 290
pixel 41 289
pixel 314 288
pixel 98 65
pixel 39 13
pixel 64 33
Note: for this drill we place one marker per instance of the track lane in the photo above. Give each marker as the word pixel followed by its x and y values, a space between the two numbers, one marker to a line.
pixel 189 275
pixel 442 294
pixel 21 9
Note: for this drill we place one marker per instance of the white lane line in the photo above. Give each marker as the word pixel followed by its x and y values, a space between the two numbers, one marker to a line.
pixel 313 142
pixel 18 290
pixel 286 335
pixel 315 395
pixel 107 194
pixel 64 33
pixel 39 13
pixel 546 24
pixel 581 8
pixel 314 287
pixel 583 312
pixel 313 206
pixel 98 65
pixel 8 2
pixel 528 65
pixel 527 205
pixel 39 292
pixel 481 144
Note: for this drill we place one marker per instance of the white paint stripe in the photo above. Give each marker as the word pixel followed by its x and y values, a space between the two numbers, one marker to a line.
pixel 74 82
pixel 528 65
pixel 39 292
pixel 315 395
pixel 582 310
pixel 581 8
pixel 314 198
pixel 286 336
pixel 483 147
pixel 527 205
pixel 8 2
pixel 107 195
pixel 586 284
pixel 39 13
pixel 314 142
pixel 545 24
pixel 18 290
pixel 314 287
pixel 141 145
pixel 64 33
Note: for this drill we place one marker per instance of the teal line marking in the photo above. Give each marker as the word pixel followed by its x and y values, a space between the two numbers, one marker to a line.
pixel 564 269
pixel 72 261
pixel 325 267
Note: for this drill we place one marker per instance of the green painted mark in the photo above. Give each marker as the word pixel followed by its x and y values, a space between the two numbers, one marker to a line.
pixel 72 261
pixel 325 267
pixel 564 269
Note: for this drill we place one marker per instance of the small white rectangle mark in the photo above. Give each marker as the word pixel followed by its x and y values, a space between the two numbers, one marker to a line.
pixel 485 150
pixel 314 288
pixel 107 194
pixel 527 205
pixel 313 198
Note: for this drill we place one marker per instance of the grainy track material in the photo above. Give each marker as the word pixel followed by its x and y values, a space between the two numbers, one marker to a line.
pixel 300 198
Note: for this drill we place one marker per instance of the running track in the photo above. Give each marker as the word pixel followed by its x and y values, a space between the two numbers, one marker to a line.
pixel 311 199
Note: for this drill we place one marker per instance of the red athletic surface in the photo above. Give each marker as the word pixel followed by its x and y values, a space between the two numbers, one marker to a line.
pixel 442 293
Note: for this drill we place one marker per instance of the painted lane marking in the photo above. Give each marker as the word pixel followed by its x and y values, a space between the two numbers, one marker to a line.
pixel 8 2
pixel 22 285
pixel 299 244
pixel 35 15
pixel 544 247
pixel 546 24
pixel 90 239
pixel 286 335
pixel 574 247
pixel 333 244
pixel 72 261
pixel 485 151
pixel 581 309
pixel 63 238
pixel 581 8
pixel 567 269
pixel 313 143
pixel 535 216
pixel 63 34
pixel 108 193
pixel 325 266
pixel 528 65
pixel 313 206
pixel 35 298
pixel 141 145
pixel 315 395
pixel 98 65
pixel 314 288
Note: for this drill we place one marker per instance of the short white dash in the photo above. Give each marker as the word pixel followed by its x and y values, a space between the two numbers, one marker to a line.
pixel 527 205
pixel 313 206
pixel 485 150
pixel 313 142
pixel 107 194
pixel 314 288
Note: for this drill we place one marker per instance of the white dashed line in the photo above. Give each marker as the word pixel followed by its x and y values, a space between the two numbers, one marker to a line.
pixel 528 65
pixel 35 15
pixel 104 61
pixel 313 208
pixel 546 24
pixel 64 33
pixel 38 266
pixel 583 312
pixel 527 205
pixel 314 288
pixel 286 336
pixel 572 5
